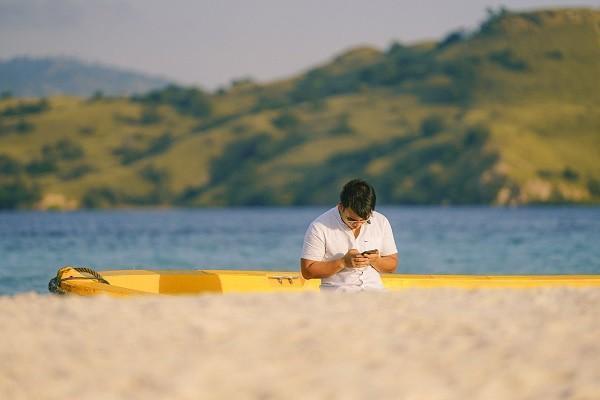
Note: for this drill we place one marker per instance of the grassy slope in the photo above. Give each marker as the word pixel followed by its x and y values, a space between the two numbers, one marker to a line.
pixel 547 118
pixel 542 120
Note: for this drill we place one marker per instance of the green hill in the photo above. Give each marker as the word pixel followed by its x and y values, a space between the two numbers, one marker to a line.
pixel 507 114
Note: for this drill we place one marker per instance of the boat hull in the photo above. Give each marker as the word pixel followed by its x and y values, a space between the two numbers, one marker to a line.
pixel 72 280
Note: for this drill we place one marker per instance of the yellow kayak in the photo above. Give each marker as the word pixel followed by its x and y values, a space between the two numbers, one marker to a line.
pixel 87 282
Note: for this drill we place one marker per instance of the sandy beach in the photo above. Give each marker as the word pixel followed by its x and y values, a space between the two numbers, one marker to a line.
pixel 414 344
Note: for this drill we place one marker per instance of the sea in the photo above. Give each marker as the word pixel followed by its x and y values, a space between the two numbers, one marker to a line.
pixel 430 240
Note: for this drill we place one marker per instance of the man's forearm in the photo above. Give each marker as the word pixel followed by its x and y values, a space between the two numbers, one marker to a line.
pixel 386 264
pixel 320 269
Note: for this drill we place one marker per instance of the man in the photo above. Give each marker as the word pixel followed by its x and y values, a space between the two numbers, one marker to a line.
pixel 351 244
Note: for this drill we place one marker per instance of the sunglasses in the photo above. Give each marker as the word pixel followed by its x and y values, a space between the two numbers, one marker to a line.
pixel 352 221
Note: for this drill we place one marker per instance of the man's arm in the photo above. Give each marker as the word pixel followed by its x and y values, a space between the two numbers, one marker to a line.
pixel 384 264
pixel 323 269
pixel 320 269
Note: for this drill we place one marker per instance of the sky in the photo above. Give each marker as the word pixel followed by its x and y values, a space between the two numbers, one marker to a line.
pixel 211 43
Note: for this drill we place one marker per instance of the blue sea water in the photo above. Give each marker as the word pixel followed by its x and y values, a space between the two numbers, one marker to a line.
pixel 465 240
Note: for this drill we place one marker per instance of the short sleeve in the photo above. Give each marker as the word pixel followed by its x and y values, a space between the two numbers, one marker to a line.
pixel 313 247
pixel 388 243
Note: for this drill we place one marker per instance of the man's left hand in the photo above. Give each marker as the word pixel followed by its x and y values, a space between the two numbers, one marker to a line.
pixel 373 257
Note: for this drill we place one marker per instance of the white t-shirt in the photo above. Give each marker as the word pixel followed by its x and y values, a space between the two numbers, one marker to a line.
pixel 329 238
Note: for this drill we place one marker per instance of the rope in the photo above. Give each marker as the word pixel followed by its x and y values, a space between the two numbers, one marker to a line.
pixel 54 286
pixel 90 271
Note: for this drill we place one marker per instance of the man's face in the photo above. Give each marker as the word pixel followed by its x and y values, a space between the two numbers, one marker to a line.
pixel 350 218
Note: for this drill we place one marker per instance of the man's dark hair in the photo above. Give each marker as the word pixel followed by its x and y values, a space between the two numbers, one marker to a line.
pixel 359 196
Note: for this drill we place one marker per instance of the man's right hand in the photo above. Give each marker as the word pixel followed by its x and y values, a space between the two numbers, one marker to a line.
pixel 354 259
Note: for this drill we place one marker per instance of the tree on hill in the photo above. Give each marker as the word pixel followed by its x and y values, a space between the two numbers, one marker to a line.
pixel 187 101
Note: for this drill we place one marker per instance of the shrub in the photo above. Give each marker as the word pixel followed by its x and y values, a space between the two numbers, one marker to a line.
pixel 594 187
pixel 285 120
pixel 64 149
pixel 100 197
pixel 149 115
pixel 23 126
pixel 160 144
pixel 570 174
pixel 129 154
pixel 189 194
pixel 452 38
pixel 87 130
pixel 159 177
pixel 188 101
pixel 400 64
pixel 554 55
pixel 77 172
pixel 213 123
pixel 432 125
pixel 342 126
pixel 25 108
pixel 17 194
pixel 9 166
pixel 266 101
pixel 476 136
pixel 462 74
pixel 492 22
pixel 312 85
pixel 154 175
pixel 239 129
pixel 41 166
pixel 507 59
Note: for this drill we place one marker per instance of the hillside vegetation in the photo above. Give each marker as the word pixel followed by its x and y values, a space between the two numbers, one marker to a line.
pixel 506 114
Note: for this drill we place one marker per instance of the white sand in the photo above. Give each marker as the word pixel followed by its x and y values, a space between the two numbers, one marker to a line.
pixel 416 344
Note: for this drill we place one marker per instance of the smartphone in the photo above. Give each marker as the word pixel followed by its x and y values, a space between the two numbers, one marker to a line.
pixel 369 252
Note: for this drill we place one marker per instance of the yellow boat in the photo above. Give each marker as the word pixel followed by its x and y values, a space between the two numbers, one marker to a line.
pixel 87 282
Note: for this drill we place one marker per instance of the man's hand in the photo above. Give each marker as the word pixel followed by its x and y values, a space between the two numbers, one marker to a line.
pixel 354 259
pixel 373 257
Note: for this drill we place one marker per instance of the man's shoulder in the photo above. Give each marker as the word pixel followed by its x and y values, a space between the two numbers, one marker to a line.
pixel 379 219
pixel 327 215
pixel 326 220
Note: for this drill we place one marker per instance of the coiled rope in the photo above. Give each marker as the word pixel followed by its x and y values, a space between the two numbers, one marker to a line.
pixel 54 286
